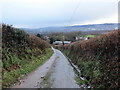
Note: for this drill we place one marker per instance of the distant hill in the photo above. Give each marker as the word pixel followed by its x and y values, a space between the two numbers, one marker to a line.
pixel 84 28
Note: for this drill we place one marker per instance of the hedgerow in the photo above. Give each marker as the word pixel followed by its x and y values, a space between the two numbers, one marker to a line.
pixel 97 58
pixel 20 49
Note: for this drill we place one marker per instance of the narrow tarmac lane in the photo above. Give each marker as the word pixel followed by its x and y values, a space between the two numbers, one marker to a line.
pixel 55 73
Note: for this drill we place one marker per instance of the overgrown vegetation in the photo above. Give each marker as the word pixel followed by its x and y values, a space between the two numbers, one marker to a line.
pixel 97 58
pixel 21 53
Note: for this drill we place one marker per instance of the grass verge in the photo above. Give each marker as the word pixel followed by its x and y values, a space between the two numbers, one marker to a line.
pixel 89 69
pixel 0 74
pixel 11 77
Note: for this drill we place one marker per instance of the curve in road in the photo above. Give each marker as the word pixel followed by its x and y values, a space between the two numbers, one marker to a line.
pixel 55 73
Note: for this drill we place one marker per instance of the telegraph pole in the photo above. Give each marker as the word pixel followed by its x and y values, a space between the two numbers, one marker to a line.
pixel 63 38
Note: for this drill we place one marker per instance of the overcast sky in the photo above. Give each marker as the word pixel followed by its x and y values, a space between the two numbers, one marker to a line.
pixel 44 13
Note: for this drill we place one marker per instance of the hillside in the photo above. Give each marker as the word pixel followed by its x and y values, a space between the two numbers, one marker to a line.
pixel 97 58
pixel 21 54
pixel 102 28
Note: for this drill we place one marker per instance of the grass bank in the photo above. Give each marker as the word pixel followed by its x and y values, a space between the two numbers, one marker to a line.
pixel 97 58
pixel 15 75
pixel 21 54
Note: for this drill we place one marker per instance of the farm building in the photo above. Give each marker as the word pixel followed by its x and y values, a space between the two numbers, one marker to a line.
pixel 61 42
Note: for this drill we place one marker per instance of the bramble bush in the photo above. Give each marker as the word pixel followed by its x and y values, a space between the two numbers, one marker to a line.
pixel 97 58
pixel 17 43
pixel 19 49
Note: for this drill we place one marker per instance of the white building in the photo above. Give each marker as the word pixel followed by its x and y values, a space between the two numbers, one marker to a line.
pixel 60 42
pixel 81 38
pixel 57 42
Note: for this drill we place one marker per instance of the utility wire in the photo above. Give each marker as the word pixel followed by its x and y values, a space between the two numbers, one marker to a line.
pixel 71 18
pixel 73 14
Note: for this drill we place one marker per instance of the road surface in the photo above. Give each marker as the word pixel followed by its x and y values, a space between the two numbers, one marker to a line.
pixel 55 73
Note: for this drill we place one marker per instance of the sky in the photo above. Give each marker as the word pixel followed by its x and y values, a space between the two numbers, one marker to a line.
pixel 46 13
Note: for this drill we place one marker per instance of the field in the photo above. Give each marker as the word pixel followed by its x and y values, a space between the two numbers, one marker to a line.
pixel 91 36
pixel 97 58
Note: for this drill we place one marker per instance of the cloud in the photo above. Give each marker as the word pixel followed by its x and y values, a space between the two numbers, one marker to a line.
pixel 109 19
pixel 42 13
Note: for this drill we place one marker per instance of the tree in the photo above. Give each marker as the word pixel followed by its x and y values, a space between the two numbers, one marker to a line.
pixel 39 35
pixel 52 40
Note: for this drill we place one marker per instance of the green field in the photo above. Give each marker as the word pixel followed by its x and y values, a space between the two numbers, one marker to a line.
pixel 90 36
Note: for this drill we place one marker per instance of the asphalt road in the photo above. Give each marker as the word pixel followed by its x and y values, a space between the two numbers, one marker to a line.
pixel 54 73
